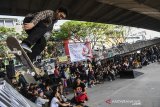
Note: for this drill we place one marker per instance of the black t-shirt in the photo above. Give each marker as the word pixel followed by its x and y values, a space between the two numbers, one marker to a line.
pixel 80 67
pixel 79 88
pixel 73 69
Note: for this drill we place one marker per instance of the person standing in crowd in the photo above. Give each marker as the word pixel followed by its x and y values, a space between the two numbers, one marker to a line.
pixel 56 74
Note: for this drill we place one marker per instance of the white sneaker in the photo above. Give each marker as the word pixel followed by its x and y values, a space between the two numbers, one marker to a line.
pixel 25 47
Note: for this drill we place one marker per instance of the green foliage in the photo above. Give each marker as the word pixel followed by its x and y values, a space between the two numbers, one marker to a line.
pixel 94 31
pixel 59 35
pixel 3 49
pixel 4 33
pixel 82 29
pixel 23 35
pixel 4 30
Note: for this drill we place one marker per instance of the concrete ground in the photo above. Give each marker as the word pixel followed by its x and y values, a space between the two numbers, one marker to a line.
pixel 142 91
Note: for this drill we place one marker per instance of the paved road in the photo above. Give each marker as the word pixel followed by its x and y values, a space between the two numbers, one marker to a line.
pixel 142 91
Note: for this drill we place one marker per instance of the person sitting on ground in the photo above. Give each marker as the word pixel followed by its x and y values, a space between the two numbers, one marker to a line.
pixel 48 92
pixel 92 79
pixel 80 94
pixel 60 89
pixel 41 99
pixel 55 102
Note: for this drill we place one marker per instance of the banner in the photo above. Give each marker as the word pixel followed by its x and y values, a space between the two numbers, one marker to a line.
pixel 80 51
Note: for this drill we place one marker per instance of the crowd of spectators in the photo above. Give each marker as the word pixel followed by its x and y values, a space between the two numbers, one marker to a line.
pixel 53 88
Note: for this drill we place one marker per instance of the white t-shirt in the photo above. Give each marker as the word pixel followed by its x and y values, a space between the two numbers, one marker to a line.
pixel 40 101
pixel 54 102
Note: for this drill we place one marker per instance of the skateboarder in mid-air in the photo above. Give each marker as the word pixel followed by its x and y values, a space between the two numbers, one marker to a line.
pixel 38 26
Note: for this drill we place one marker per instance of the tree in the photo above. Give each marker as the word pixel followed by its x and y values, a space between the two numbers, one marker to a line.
pixel 95 32
pixel 4 33
pixel 22 36
pixel 59 35
pixel 98 33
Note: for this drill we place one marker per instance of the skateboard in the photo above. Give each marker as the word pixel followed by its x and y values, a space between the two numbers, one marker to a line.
pixel 19 52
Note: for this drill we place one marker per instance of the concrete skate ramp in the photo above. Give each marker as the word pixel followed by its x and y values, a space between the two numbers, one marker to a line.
pixel 9 97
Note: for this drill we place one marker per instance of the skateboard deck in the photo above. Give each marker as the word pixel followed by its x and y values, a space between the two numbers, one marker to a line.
pixel 14 45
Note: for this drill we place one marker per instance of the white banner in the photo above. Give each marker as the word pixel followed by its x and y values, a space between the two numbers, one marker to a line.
pixel 79 51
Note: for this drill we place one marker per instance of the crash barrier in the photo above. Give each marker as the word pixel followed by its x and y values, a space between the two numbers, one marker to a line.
pixel 127 48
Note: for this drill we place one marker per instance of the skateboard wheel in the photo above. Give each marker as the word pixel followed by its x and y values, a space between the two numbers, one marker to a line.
pixel 19 53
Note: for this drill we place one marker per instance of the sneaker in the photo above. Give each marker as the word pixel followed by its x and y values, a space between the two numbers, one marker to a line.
pixel 26 48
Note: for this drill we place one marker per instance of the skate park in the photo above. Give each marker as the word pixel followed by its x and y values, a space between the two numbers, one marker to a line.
pixel 142 89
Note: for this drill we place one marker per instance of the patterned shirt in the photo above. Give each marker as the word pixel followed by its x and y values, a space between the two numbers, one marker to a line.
pixel 47 17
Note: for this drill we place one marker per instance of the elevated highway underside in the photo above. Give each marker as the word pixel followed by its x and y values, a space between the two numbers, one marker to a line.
pixel 137 13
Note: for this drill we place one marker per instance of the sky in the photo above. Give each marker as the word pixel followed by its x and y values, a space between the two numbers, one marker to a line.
pixel 60 22
pixel 18 17
pixel 149 34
